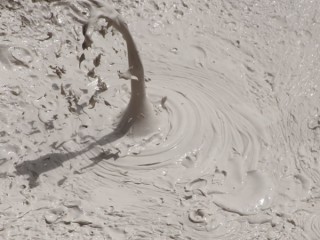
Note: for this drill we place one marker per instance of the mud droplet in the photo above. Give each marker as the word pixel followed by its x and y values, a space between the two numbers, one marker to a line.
pixel 50 218
pixel 198 216
pixel 81 59
pixel 97 60
pixel 91 73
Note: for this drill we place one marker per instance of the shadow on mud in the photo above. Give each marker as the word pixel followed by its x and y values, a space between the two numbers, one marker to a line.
pixel 34 168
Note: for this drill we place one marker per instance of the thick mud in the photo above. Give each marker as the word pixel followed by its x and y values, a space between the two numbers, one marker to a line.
pixel 215 134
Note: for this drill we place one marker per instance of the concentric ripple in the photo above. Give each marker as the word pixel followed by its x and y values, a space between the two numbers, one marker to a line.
pixel 205 122
pixel 209 138
pixel 222 77
pixel 206 130
pixel 202 124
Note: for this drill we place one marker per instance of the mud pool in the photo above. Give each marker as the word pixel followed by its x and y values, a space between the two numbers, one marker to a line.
pixel 234 95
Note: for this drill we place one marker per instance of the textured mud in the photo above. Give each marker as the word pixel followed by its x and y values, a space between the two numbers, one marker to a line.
pixel 234 87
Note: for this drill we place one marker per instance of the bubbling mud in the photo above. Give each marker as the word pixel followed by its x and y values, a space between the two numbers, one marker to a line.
pixel 139 116
pixel 208 140
pixel 202 137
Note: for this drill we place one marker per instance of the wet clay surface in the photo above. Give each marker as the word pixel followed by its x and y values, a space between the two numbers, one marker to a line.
pixel 232 88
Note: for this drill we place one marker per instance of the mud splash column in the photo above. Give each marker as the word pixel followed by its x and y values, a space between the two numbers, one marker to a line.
pixel 139 117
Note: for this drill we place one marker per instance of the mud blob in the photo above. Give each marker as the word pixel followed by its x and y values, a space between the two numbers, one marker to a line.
pixel 139 117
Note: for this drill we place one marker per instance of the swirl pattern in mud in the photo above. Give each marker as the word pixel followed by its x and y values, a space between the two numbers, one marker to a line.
pixel 234 153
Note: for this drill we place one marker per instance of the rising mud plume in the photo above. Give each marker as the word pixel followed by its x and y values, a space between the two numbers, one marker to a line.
pixel 233 85
pixel 139 117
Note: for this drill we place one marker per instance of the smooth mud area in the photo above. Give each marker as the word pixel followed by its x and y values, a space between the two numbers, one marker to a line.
pixel 171 119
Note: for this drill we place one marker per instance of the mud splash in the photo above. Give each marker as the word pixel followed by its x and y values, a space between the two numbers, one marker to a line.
pixel 234 150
